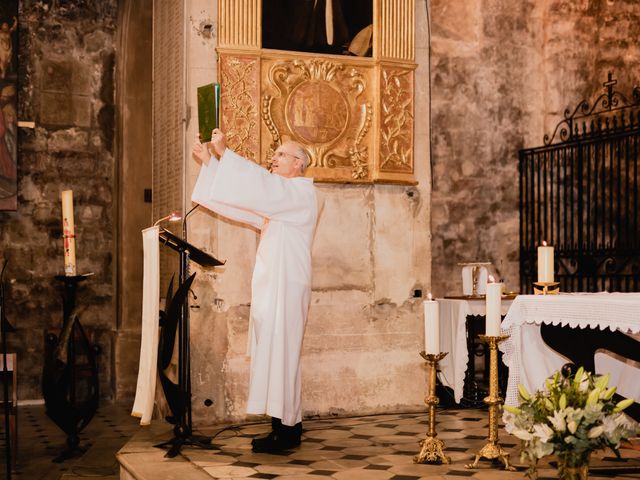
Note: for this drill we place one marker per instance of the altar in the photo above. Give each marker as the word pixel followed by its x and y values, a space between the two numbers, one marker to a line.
pixel 531 361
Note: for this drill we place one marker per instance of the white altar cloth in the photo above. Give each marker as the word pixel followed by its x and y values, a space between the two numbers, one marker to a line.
pixel 531 361
pixel 453 339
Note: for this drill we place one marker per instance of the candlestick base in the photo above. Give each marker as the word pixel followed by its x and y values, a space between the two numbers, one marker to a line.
pixel 432 451
pixel 432 448
pixel 546 288
pixel 492 448
pixel 491 451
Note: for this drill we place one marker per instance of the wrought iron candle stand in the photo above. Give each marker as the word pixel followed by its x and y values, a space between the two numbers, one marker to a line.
pixel 546 288
pixel 492 450
pixel 432 447
pixel 70 374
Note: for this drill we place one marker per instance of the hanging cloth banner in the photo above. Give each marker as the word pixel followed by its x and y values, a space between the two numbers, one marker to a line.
pixel 148 369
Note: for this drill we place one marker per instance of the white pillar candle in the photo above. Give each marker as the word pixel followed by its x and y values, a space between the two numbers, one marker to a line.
pixel 68 233
pixel 493 308
pixel 545 263
pixel 431 326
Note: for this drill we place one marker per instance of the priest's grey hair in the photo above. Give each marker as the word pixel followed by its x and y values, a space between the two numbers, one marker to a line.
pixel 302 154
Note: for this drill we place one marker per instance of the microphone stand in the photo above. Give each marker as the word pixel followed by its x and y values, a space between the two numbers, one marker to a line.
pixel 184 351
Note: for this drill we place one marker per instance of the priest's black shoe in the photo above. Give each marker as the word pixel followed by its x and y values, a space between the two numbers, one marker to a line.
pixel 281 438
pixel 276 424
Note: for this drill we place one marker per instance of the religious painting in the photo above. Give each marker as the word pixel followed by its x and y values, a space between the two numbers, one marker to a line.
pixel 339 27
pixel 8 104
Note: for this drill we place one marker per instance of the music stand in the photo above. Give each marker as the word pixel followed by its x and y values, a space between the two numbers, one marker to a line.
pixel 179 396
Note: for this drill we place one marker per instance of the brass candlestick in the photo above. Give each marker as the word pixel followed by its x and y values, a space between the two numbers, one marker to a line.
pixel 546 288
pixel 432 447
pixel 492 449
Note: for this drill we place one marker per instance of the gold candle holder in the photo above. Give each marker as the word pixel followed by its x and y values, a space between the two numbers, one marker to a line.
pixel 546 288
pixel 492 449
pixel 432 447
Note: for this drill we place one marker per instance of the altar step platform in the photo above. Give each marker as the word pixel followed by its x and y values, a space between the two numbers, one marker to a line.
pixel 377 447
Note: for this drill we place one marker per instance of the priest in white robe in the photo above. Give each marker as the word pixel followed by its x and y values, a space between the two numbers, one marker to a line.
pixel 283 206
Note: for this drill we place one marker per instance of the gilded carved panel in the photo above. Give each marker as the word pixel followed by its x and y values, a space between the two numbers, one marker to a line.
pixel 354 114
pixel 325 105
pixel 240 100
pixel 396 120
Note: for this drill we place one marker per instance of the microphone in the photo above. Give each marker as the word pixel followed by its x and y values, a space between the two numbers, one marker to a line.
pixel 172 217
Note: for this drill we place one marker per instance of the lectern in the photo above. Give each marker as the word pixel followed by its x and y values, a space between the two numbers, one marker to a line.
pixel 175 320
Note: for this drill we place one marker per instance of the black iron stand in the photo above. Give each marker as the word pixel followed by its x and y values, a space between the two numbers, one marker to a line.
pixel 65 367
pixel 6 327
pixel 183 429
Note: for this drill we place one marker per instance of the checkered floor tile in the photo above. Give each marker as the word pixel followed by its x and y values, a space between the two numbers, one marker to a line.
pixel 376 447
pixel 379 447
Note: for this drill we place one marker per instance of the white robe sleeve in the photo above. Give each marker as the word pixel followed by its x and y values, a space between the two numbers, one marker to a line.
pixel 245 185
pixel 203 194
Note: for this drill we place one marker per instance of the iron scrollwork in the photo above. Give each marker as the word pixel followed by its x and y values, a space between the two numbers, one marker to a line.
pixel 608 112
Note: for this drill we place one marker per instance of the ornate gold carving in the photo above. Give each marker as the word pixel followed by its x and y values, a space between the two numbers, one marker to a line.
pixel 396 120
pixel 397 29
pixel 240 95
pixel 354 115
pixel 323 105
pixel 239 23
pixel 317 112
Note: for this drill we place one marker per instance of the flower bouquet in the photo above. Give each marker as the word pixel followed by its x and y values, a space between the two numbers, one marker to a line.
pixel 572 417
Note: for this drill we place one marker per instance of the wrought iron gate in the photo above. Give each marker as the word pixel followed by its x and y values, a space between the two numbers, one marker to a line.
pixel 580 194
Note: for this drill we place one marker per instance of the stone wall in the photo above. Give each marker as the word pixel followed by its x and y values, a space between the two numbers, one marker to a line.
pixel 66 56
pixel 502 75
pixel 371 254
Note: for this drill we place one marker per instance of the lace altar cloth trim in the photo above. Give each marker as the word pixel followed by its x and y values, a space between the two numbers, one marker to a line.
pixel 614 311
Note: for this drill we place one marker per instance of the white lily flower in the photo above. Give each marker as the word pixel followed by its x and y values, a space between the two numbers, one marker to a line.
pixel 595 432
pixel 558 421
pixel 543 432
pixel 584 385
pixel 522 434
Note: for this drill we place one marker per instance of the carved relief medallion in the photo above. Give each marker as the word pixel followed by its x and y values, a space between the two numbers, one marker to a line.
pixel 325 106
pixel 317 112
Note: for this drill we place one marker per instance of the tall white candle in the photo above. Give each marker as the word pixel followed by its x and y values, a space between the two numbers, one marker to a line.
pixel 68 233
pixel 545 263
pixel 493 308
pixel 431 326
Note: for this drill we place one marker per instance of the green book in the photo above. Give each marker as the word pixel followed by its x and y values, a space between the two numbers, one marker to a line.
pixel 208 110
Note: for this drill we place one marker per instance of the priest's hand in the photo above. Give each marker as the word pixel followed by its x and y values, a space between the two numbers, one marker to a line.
pixel 200 151
pixel 218 142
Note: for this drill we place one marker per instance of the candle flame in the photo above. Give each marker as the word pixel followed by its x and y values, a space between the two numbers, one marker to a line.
pixel 544 243
pixel 429 296
pixel 492 279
